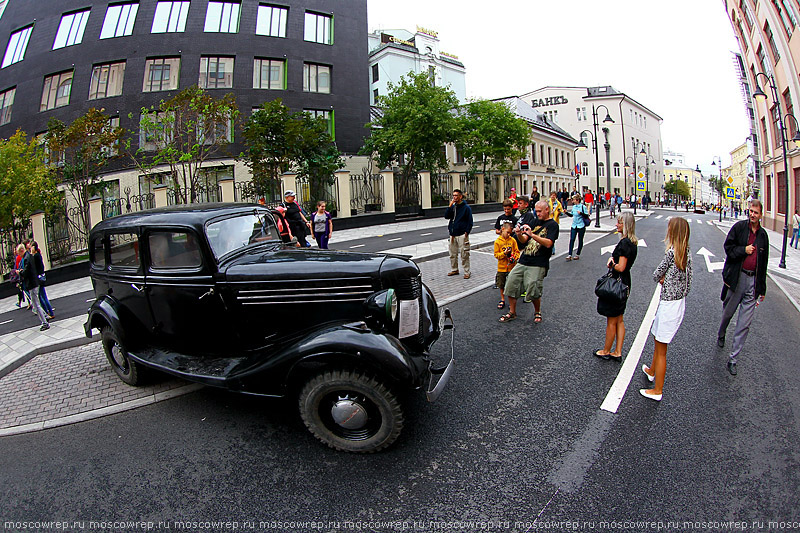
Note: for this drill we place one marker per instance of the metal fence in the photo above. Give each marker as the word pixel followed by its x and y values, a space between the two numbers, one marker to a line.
pixel 248 192
pixel 490 185
pixel 441 189
pixel 10 237
pixel 366 192
pixel 199 194
pixel 66 234
pixel 128 204
pixel 508 182
pixel 469 187
pixel 407 194
pixel 311 191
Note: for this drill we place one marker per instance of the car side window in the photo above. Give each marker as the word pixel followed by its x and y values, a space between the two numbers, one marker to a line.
pixel 174 249
pixel 98 253
pixel 124 249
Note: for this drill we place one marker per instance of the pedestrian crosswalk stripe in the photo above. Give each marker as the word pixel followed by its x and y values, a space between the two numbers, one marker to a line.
pixel 659 216
pixel 710 223
pixel 699 221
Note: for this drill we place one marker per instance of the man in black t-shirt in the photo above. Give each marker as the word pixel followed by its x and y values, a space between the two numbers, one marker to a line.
pixel 528 275
pixel 507 216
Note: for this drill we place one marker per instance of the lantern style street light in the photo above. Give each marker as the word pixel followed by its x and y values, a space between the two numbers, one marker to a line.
pixel 582 146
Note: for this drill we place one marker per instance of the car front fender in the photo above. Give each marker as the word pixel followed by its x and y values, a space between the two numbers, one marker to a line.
pixel 103 312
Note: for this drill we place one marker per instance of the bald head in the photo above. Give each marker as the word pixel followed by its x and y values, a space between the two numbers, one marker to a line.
pixel 542 210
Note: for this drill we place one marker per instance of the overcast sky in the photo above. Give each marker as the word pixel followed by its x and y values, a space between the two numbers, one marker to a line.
pixel 672 56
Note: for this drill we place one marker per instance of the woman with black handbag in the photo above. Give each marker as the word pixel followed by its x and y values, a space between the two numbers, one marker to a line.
pixel 611 304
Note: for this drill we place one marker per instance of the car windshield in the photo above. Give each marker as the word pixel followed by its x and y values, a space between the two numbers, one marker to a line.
pixel 230 234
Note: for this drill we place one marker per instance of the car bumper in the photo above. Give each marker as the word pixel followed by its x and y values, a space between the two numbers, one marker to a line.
pixel 441 375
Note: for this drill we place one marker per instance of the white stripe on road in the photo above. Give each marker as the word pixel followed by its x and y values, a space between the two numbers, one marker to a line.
pixel 6 322
pixel 631 364
pixel 699 221
pixel 358 246
pixel 710 223
pixel 90 300
pixel 397 239
pixel 425 234
pixel 659 216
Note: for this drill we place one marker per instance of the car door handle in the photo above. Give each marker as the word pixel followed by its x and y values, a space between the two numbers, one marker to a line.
pixel 138 289
pixel 209 293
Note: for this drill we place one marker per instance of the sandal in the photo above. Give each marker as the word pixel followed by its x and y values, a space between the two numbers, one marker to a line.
pixel 569 258
pixel 537 318
pixel 502 304
pixel 508 317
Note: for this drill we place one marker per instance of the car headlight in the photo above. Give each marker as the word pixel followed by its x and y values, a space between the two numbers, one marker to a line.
pixel 381 309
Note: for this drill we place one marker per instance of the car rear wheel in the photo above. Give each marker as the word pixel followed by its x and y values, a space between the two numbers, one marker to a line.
pixel 127 370
pixel 351 412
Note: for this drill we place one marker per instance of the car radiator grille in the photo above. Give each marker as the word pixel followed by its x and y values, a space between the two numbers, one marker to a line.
pixel 307 291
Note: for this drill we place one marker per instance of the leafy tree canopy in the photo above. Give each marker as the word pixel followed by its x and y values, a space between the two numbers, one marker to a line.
pixel 26 186
pixel 494 136
pixel 418 119
pixel 677 187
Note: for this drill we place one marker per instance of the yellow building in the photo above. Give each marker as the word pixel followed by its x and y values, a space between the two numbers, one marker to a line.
pixel 738 173
pixel 691 176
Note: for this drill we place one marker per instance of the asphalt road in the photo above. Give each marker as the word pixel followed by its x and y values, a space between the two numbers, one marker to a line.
pixel 518 438
pixel 65 307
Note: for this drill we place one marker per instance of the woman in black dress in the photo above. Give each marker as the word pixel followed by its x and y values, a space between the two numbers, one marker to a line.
pixel 621 261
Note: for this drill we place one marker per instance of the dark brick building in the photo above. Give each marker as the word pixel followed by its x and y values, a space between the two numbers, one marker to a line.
pixel 61 58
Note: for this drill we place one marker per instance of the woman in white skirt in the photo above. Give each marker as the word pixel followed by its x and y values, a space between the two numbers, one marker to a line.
pixel 675 275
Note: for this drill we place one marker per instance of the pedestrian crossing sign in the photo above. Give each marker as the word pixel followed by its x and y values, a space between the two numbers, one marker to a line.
pixel 640 186
pixel 730 193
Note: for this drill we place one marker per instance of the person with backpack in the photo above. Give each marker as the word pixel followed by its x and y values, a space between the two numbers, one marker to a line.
pixel 580 215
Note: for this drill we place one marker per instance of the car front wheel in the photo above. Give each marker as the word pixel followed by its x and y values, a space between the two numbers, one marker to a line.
pixel 117 356
pixel 351 412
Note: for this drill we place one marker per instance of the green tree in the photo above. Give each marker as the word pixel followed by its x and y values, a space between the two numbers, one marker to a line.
pixel 677 188
pixel 494 136
pixel 278 140
pixel 718 184
pixel 79 153
pixel 417 119
pixel 26 185
pixel 182 133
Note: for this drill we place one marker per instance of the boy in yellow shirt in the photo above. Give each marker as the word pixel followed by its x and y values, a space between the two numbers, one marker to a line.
pixel 555 207
pixel 507 252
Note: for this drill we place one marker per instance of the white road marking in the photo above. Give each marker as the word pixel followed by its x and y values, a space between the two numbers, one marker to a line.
pixel 699 221
pixel 425 234
pixel 89 300
pixel 7 322
pixel 397 239
pixel 716 265
pixel 642 244
pixel 631 363
pixel 607 249
pixel 659 216
pixel 710 223
pixel 358 246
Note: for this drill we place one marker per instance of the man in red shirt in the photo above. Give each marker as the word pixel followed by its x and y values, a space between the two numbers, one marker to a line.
pixel 588 198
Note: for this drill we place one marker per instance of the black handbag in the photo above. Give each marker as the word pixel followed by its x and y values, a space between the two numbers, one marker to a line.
pixel 611 289
pixel 587 220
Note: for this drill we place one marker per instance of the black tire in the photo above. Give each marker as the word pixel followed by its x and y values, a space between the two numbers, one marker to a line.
pixel 373 414
pixel 122 365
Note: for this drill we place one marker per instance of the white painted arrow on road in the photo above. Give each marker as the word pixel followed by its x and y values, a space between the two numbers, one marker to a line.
pixel 608 249
pixel 711 266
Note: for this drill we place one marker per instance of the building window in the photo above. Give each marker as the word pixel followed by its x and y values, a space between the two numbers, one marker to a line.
pixel 119 20
pixel 616 170
pixel 222 17
pixel 549 156
pixel 375 96
pixel 56 91
pixel 375 73
pixel 316 78
pixel 741 34
pixel 601 167
pixel 533 153
pixel 786 14
pixel 110 151
pixel 569 163
pixel 319 28
pixel 327 115
pixel 17 43
pixel 216 72
pixel 161 74
pixel 155 133
pixel 787 101
pixel 585 169
pixel 271 21
pixel 269 74
pixel 776 56
pixel 170 17
pixel 6 103
pixel 459 156
pixel 221 132
pixel 541 154
pixel 70 30
pixel 106 80
pixel 747 16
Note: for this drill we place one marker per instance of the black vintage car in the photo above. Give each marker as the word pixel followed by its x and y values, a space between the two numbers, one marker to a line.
pixel 211 294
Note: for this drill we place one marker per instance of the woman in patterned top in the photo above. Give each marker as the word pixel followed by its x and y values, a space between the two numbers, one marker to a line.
pixel 675 275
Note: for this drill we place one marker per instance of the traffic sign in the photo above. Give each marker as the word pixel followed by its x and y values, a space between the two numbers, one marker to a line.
pixel 730 193
pixel 640 175
pixel 641 186
pixel 730 180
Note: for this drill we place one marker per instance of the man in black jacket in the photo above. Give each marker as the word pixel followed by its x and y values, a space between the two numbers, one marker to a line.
pixel 745 278
pixel 460 216
pixel 29 274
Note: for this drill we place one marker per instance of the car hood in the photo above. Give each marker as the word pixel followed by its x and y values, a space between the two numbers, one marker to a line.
pixel 291 264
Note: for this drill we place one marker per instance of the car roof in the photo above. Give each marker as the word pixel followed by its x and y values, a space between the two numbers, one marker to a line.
pixel 194 215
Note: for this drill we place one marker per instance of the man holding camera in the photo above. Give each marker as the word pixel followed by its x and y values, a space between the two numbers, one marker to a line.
pixel 460 216
pixel 529 273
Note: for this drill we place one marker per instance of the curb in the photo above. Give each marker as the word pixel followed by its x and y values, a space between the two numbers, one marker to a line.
pixel 41 350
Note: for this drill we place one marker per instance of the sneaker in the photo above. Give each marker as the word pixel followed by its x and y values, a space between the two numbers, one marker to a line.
pixel 44 327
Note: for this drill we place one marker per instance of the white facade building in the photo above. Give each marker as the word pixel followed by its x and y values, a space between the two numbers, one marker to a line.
pixel 635 129
pixel 395 53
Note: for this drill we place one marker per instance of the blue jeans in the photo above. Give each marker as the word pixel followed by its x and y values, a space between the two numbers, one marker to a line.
pixel 322 239
pixel 580 232
pixel 795 237
pixel 46 307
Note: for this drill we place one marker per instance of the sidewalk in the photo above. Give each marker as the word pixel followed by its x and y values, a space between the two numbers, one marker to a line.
pixel 70 380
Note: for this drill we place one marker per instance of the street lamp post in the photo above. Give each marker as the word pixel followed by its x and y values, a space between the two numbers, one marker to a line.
pixel 719 185
pixel 636 144
pixel 760 96
pixel 582 146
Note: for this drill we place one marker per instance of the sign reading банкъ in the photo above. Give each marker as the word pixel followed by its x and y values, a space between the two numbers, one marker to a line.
pixel 550 100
